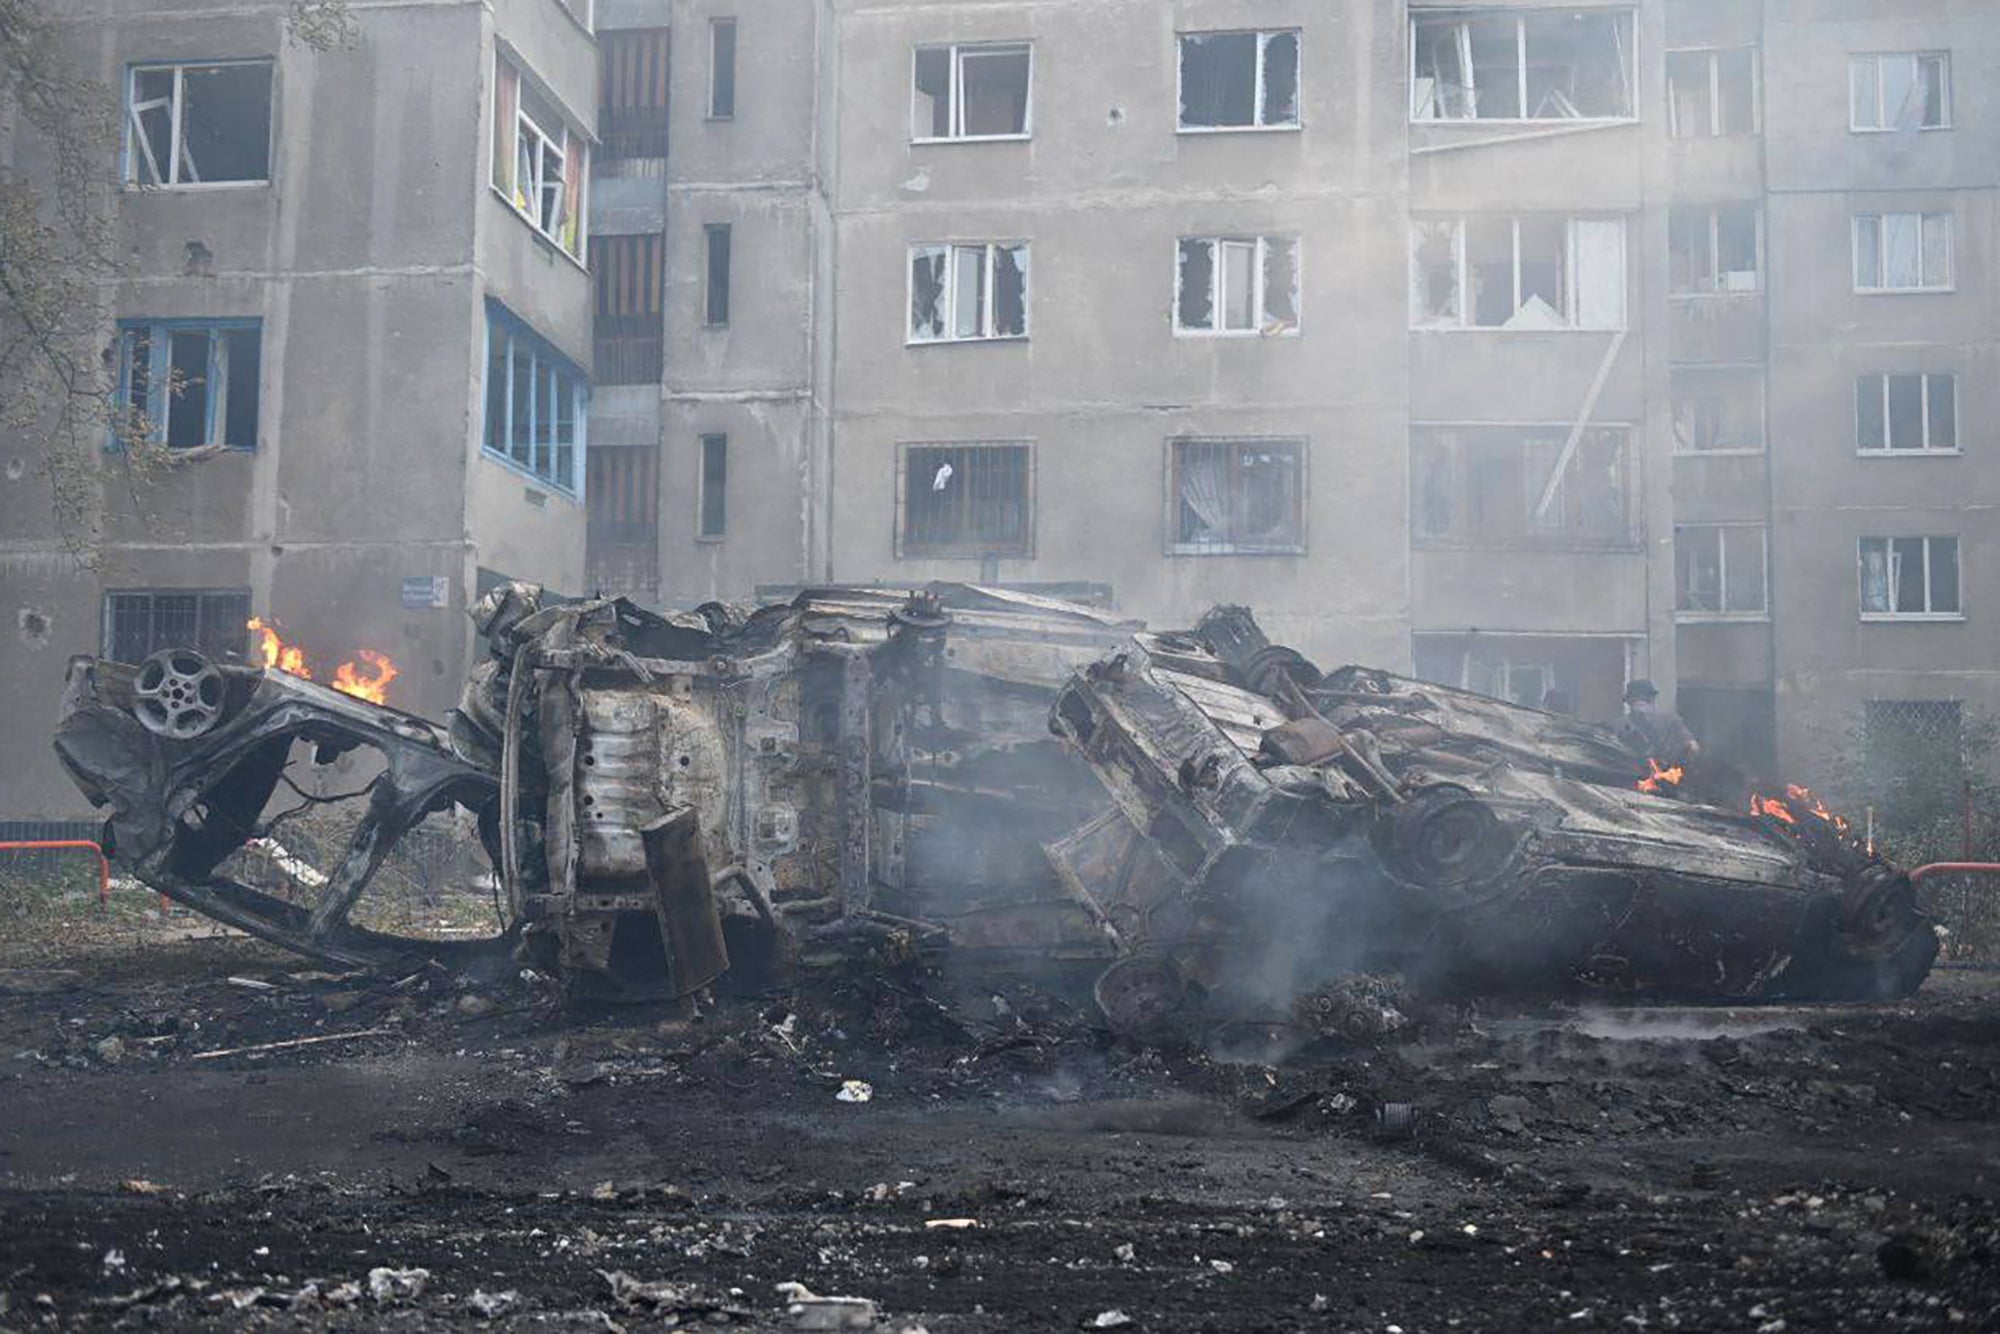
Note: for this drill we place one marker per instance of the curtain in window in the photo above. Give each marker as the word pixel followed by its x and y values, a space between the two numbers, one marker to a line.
pixel 1205 492
pixel 506 97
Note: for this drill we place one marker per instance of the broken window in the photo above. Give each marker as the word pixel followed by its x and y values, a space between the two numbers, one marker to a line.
pixel 721 69
pixel 971 92
pixel 1899 414
pixel 1504 485
pixel 1531 272
pixel 714 486
pixel 186 385
pixel 1718 411
pixel 715 275
pixel 963 293
pixel 139 623
pixel 1237 285
pixel 1239 80
pixel 539 163
pixel 1902 252
pixel 1237 497
pixel 1720 569
pixel 1713 250
pixel 198 124
pixel 536 402
pixel 1909 576
pixel 966 500
pixel 1712 94
pixel 1899 91
pixel 1502 677
pixel 1525 65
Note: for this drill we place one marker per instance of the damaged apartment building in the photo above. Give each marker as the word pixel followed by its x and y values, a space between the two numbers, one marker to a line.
pixel 1529 346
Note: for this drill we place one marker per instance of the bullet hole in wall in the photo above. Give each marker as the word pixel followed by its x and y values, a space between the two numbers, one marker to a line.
pixel 33 624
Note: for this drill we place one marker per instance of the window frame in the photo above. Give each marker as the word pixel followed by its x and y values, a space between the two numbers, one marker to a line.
pixel 1950 283
pixel 949 295
pixel 1713 213
pixel 1713 59
pixel 540 349
pixel 1217 284
pixel 906 549
pixel 1461 259
pixel 709 290
pixel 1717 371
pixel 160 348
pixel 716 24
pixel 955 107
pixel 704 442
pixel 1890 557
pixel 1257 125
pixel 1521 67
pixel 1524 435
pixel 1927 450
pixel 1302 447
pixel 1916 58
pixel 574 144
pixel 1697 615
pixel 128 176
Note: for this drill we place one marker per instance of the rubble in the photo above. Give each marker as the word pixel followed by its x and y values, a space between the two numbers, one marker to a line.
pixel 1219 829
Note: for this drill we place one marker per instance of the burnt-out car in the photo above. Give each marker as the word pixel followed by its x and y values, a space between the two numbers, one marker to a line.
pixel 1201 822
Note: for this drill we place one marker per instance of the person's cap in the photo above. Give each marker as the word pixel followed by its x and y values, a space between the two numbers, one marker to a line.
pixel 1641 688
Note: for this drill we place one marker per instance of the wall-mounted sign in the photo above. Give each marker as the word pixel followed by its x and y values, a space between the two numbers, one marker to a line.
pixel 425 591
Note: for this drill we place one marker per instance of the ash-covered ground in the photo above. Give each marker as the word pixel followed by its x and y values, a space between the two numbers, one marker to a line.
pixel 1012 1166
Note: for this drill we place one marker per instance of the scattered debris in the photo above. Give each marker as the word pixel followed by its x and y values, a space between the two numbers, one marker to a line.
pixel 387 1285
pixel 1112 1319
pixel 492 1305
pixel 810 1311
pixel 38 981
pixel 854 1090
pixel 258 1048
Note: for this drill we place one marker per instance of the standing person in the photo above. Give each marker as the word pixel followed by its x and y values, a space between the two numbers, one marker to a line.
pixel 1652 732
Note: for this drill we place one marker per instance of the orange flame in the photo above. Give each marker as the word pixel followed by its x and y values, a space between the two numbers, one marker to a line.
pixel 287 658
pixel 1797 800
pixel 1660 779
pixel 375 687
pixel 368 679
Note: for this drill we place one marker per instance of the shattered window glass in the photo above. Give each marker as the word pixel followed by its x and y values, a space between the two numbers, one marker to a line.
pixel 1899 91
pixel 199 124
pixel 1239 80
pixel 1238 496
pixel 548 164
pixel 1237 285
pixel 971 91
pixel 1532 272
pixel 186 386
pixel 1507 485
pixel 966 500
pixel 1530 65
pixel 1909 576
pixel 1718 410
pixel 965 293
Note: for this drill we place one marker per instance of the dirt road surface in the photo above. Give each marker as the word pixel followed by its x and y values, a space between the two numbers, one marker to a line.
pixel 1012 1168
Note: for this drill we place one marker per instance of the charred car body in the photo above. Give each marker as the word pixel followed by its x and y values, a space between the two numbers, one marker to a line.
pixel 1207 824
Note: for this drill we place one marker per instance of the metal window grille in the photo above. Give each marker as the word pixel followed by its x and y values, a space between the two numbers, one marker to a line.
pixel 137 624
pixel 1237 496
pixel 966 500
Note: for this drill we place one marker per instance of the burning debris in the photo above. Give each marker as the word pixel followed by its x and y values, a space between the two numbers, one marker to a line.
pixel 367 678
pixel 1211 826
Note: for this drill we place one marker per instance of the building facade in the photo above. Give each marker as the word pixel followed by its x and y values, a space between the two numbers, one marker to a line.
pixel 1531 346
pixel 354 309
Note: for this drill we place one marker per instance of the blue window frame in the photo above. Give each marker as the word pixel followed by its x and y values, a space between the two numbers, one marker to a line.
pixel 189 383
pixel 537 404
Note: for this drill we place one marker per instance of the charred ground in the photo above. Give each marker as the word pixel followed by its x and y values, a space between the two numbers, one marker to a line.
pixel 1572 1167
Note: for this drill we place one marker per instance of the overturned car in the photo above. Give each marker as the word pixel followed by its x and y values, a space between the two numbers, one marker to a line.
pixel 1200 823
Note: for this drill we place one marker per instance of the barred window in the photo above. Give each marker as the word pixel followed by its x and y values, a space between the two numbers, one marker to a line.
pixel 966 500
pixel 1237 497
pixel 140 622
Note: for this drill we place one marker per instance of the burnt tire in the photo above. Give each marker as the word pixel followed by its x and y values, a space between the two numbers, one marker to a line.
pixel 1446 839
pixel 1143 997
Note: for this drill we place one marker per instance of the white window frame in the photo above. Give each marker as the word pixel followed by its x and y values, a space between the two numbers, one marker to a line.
pixel 1716 371
pixel 135 141
pixel 1521 17
pixel 1302 447
pixel 949 297
pixel 1714 56
pixel 955 111
pixel 1714 214
pixel 1685 615
pixel 1950 282
pixel 572 141
pixel 1916 59
pixel 1256 125
pixel 1260 319
pixel 1465 322
pixel 1926 450
pixel 1891 558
